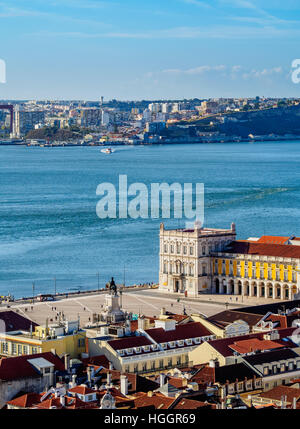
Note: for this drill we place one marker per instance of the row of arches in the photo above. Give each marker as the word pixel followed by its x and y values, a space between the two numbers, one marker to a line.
pixel 259 289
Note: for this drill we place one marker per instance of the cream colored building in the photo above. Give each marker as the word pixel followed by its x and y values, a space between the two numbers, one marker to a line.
pixel 185 257
pixel 153 350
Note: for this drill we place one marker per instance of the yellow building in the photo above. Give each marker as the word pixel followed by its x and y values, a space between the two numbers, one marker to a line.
pixel 210 260
pixel 257 268
pixel 65 337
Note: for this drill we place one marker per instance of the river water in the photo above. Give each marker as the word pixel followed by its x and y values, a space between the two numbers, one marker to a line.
pixel 48 222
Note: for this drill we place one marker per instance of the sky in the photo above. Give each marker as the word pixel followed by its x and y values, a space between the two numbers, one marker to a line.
pixel 154 49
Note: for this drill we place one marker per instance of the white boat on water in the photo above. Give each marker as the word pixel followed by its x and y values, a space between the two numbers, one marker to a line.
pixel 107 150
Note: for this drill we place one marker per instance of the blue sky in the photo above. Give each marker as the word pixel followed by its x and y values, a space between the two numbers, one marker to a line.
pixel 134 49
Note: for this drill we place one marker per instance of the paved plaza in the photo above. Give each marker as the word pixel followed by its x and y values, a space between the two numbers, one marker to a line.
pixel 148 302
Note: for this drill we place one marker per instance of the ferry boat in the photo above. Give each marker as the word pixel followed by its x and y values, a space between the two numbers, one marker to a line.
pixel 108 150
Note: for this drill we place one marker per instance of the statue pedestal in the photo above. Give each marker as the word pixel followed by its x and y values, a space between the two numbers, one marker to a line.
pixel 113 311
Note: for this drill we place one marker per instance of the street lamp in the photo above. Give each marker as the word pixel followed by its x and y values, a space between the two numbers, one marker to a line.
pixel 33 287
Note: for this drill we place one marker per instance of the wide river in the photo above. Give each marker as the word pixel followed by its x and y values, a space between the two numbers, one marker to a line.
pixel 49 227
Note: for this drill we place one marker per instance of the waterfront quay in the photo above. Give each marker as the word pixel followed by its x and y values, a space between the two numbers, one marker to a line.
pixel 138 300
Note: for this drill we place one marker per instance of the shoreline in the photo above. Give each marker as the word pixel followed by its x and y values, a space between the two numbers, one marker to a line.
pixel 109 143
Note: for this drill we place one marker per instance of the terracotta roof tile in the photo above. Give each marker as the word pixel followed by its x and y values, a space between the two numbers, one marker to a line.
pixel 26 401
pixel 270 239
pixel 277 392
pixel 182 332
pixel 19 367
pixel 253 344
pixel 262 249
pixel 157 401
pixel 190 404
pixel 222 345
pixel 15 322
pixel 129 342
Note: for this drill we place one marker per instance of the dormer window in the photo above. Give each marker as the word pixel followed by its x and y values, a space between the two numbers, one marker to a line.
pixel 164 345
pixel 197 340
pixel 137 349
pixel 154 346
pixel 172 343
pixel 189 341
pixel 121 352
pixel 129 351
pixel 146 348
pixel 180 342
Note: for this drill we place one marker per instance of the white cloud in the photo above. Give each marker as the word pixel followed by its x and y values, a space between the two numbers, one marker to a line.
pixel 195 70
pixel 262 73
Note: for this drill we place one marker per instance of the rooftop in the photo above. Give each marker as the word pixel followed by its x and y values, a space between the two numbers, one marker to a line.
pixel 272 356
pixel 263 249
pixel 181 332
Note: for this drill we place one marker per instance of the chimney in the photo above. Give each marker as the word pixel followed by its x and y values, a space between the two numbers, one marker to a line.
pixel 51 377
pixel 162 379
pixel 62 400
pixel 163 311
pixel 233 227
pixel 141 323
pixel 74 376
pixel 89 375
pixel 212 363
pixel 108 379
pixel 150 394
pixel 294 403
pixel 124 385
pixel 67 362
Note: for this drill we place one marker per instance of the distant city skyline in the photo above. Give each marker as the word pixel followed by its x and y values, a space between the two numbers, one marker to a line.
pixel 130 50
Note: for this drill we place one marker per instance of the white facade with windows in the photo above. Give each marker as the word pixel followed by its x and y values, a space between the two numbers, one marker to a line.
pixel 185 257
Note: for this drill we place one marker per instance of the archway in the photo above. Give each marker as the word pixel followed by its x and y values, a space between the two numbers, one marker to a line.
pixel 240 287
pixel 254 289
pixel 261 289
pixel 285 290
pixel 277 291
pixel 246 289
pixel 269 290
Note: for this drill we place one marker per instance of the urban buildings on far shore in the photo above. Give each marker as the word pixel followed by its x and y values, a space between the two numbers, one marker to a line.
pixel 210 260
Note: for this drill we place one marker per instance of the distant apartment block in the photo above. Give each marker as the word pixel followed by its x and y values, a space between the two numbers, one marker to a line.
pixel 24 120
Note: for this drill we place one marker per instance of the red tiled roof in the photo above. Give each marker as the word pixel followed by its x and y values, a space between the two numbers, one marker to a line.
pixel 129 342
pixel 262 249
pixel 277 392
pixel 19 367
pixel 177 382
pixel 15 322
pixel 226 317
pixel 181 332
pixel 206 374
pixel 157 401
pixel 26 401
pixel 190 404
pixel 71 403
pixel 279 318
pixel 222 345
pixel 270 239
pixel 100 360
pixel 82 390
pixel 247 346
